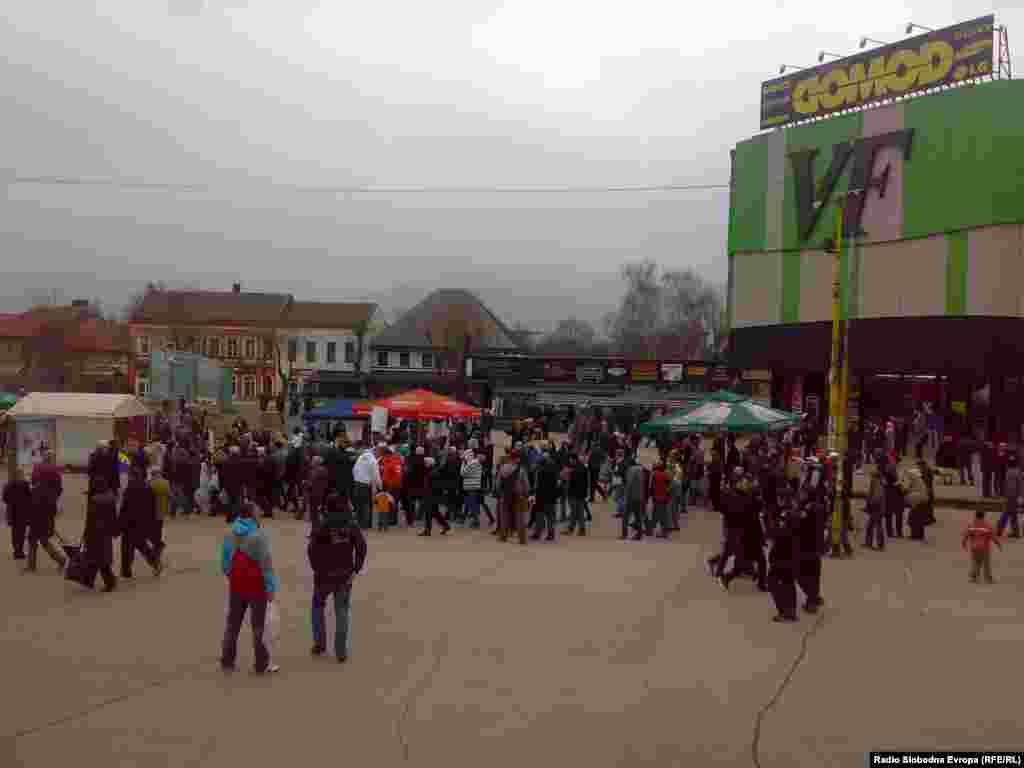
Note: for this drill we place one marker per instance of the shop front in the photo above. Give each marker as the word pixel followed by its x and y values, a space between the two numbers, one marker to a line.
pixel 931 258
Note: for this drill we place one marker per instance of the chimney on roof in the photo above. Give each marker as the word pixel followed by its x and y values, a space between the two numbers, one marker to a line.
pixel 236 288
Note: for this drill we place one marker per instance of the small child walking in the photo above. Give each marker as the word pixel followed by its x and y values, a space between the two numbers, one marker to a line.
pixel 980 535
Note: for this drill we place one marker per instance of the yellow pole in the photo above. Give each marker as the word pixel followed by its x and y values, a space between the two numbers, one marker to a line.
pixel 836 411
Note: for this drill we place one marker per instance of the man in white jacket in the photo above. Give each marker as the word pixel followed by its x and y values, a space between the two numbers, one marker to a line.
pixel 366 482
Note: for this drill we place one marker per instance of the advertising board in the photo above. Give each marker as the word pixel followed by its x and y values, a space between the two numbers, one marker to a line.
pixel 937 58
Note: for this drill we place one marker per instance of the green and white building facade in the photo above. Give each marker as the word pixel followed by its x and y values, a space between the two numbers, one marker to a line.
pixel 932 260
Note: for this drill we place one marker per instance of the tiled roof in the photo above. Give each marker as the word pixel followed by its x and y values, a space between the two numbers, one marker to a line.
pixel 413 328
pixel 328 314
pixel 18 326
pixel 211 308
pixel 89 335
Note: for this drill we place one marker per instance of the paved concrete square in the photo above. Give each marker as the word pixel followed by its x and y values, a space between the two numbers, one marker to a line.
pixel 466 651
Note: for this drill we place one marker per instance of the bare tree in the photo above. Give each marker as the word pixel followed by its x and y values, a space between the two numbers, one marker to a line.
pixel 571 336
pixel 639 313
pixel 667 313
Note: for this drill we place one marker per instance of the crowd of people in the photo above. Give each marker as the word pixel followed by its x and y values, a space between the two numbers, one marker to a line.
pixel 774 496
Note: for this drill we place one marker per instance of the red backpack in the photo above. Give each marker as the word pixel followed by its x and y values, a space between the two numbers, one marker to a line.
pixel 246 577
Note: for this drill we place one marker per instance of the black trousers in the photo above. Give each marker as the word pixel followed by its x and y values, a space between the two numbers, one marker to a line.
pixel 782 583
pixel 875 531
pixel 809 578
pixel 19 529
pixel 894 522
pixel 595 475
pixel 431 511
pixel 237 607
pixel 544 517
pixel 733 548
pixel 97 562
pixel 130 542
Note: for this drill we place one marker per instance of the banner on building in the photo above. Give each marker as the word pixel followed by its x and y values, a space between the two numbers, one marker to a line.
pixel 943 57
pixel 379 420
pixel 590 373
pixel 644 373
pixel 671 373
pixel 558 371
pixel 35 437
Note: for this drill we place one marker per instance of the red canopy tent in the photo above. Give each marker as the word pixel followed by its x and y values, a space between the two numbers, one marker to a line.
pixel 420 404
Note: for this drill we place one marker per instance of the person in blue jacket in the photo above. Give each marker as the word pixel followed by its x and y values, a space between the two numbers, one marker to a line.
pixel 247 564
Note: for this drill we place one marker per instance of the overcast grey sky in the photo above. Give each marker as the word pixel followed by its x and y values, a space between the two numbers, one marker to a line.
pixel 245 96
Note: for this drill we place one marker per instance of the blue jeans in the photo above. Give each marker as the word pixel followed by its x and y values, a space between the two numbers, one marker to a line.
pixel 342 620
pixel 473 506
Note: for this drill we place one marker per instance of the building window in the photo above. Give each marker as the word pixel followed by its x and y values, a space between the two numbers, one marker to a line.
pixel 143 345
pixel 350 351
pixel 234 386
pixel 250 349
pixel 268 385
pixel 427 360
pixel 403 359
pixel 232 347
pixel 442 362
pixel 142 387
pixel 268 349
pixel 382 359
pixel 332 351
pixel 248 387
pixel 293 350
pixel 213 347
pixel 310 351
pixel 169 345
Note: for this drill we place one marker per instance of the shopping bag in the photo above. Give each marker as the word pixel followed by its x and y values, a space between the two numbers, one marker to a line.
pixel 273 625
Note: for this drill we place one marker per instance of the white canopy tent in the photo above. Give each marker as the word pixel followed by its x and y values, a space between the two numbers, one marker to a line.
pixel 72 423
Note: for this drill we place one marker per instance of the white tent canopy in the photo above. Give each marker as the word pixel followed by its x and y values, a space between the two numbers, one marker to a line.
pixel 78 405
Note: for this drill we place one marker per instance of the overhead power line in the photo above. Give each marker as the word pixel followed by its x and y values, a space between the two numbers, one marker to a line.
pixel 139 184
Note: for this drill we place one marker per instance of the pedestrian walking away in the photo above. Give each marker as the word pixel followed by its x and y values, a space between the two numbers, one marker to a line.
pixel 247 564
pixel 337 553
pixel 18 505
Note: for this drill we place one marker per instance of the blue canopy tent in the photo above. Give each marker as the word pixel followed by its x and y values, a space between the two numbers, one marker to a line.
pixel 333 410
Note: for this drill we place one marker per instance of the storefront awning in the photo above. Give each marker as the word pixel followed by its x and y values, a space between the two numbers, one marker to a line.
pixel 627 399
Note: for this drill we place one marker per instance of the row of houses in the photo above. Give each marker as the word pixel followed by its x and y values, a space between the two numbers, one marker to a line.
pixel 267 340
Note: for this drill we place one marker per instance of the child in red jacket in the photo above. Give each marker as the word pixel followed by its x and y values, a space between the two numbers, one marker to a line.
pixel 980 535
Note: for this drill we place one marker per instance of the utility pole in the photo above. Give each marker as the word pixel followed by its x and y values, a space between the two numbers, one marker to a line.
pixel 836 419
pixel 839 381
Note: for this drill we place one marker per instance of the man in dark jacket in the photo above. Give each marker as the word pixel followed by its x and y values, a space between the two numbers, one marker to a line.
pixel 319 485
pixel 47 488
pixel 547 495
pixel 809 533
pixel 101 528
pixel 783 563
pixel 18 503
pixel 231 482
pixel 594 464
pixel 432 496
pixel 138 519
pixel 415 481
pixel 337 552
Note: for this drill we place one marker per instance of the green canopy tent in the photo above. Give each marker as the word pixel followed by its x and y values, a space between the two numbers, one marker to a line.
pixel 7 400
pixel 722 411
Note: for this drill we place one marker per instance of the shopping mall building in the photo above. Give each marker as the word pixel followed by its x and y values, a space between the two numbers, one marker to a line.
pixel 932 263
